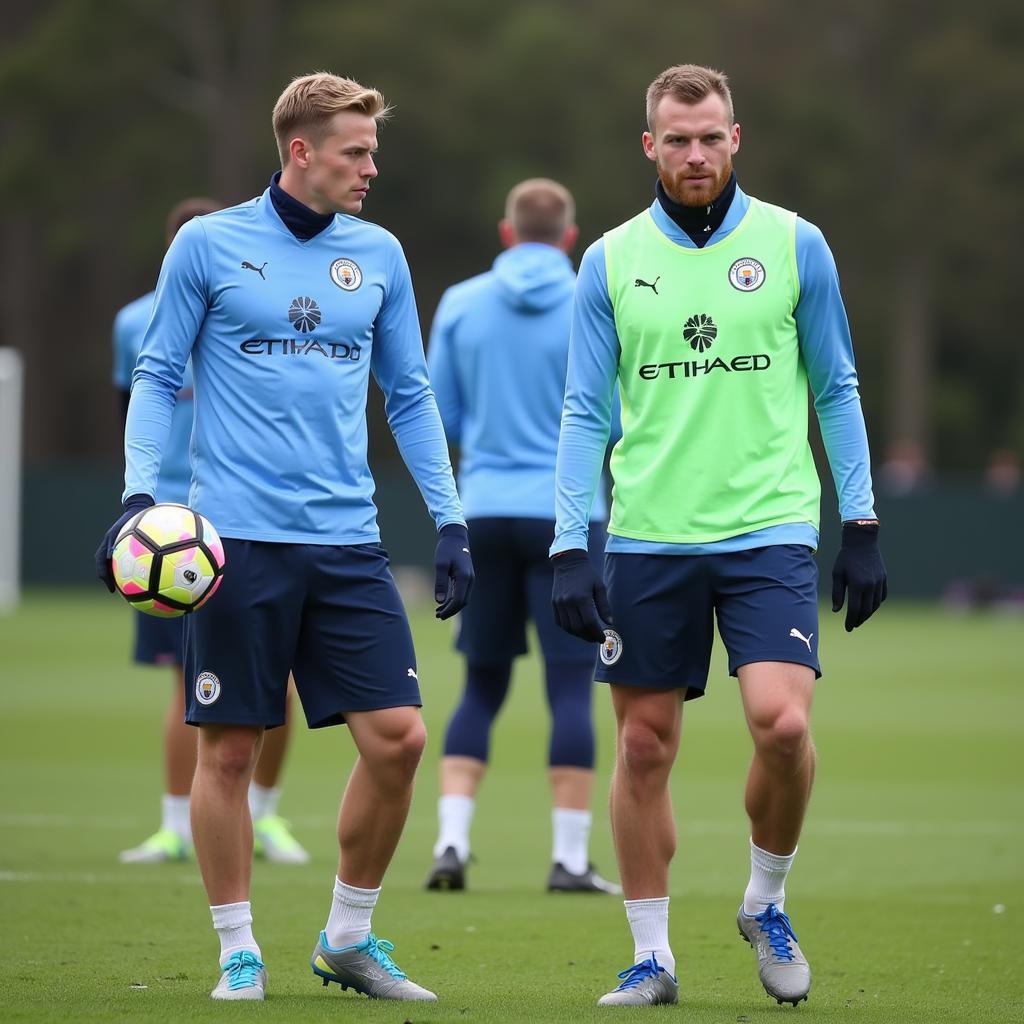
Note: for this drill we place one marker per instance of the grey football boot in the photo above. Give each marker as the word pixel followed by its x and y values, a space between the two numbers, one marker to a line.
pixel 367 968
pixel 781 965
pixel 448 873
pixel 562 879
pixel 644 984
pixel 243 977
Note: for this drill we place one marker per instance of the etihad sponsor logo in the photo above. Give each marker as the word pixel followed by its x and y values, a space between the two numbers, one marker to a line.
pixel 700 367
pixel 301 347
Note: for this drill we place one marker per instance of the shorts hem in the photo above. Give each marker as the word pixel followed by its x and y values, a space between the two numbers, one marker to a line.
pixel 653 684
pixel 337 717
pixel 253 722
pixel 777 656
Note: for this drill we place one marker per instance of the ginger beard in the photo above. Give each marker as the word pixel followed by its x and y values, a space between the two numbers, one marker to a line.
pixel 686 192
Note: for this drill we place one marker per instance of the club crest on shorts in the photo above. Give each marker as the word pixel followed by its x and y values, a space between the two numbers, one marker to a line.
pixel 746 274
pixel 611 647
pixel 207 688
pixel 346 274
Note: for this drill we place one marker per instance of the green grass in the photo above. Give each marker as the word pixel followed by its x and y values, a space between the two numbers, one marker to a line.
pixel 915 836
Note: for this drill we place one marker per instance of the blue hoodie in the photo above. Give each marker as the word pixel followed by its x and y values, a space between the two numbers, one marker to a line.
pixel 498 355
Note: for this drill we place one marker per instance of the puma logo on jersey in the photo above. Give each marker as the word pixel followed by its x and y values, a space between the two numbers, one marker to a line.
pixel 246 265
pixel 797 635
pixel 641 283
pixel 411 673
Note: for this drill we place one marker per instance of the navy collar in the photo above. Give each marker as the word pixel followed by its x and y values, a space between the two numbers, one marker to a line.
pixel 298 218
pixel 699 222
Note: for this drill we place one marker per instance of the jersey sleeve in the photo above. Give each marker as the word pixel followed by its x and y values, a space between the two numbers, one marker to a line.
pixel 827 352
pixel 179 309
pixel 589 398
pixel 399 367
pixel 442 370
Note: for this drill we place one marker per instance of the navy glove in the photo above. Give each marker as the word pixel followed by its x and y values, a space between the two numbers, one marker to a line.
pixel 453 570
pixel 859 570
pixel 578 596
pixel 133 506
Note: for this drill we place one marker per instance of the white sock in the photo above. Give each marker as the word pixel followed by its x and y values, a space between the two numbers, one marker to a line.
pixel 454 816
pixel 175 816
pixel 263 801
pixel 648 921
pixel 570 838
pixel 767 883
pixel 349 921
pixel 233 924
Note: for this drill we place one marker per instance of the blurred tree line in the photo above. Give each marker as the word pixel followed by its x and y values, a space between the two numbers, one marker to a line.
pixel 896 128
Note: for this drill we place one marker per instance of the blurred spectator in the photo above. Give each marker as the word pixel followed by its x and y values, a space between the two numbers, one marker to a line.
pixel 905 468
pixel 1002 474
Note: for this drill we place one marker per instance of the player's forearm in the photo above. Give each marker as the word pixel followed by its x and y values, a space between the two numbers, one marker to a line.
pixel 421 441
pixel 846 445
pixel 145 434
pixel 581 447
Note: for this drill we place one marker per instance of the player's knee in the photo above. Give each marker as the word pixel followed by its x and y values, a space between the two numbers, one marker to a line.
pixel 644 750
pixel 232 755
pixel 786 735
pixel 406 748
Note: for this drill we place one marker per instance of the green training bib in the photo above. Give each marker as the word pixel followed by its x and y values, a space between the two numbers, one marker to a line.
pixel 714 393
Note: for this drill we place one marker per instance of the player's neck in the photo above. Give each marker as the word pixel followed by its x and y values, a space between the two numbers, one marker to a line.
pixel 699 222
pixel 303 222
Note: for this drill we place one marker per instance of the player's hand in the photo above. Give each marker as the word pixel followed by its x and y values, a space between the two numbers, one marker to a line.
pixel 859 570
pixel 578 596
pixel 132 506
pixel 453 570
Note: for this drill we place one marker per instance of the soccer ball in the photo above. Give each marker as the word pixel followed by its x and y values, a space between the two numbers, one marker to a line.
pixel 167 560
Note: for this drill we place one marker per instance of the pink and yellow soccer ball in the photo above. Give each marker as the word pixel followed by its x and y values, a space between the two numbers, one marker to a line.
pixel 167 560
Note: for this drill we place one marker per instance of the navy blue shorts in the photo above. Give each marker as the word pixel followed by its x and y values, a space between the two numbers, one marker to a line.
pixel 513 585
pixel 159 641
pixel 664 606
pixel 330 614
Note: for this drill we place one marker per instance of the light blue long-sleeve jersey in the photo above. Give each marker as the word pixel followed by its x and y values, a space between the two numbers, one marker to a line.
pixel 498 352
pixel 283 336
pixel 129 329
pixel 825 348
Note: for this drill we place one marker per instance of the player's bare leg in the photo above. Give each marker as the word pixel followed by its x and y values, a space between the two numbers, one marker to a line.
pixel 180 742
pixel 173 840
pixel 379 791
pixel 370 822
pixel 272 837
pixel 648 727
pixel 221 825
pixel 777 701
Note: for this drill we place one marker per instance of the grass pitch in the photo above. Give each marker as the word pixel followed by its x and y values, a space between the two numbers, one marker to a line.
pixel 907 894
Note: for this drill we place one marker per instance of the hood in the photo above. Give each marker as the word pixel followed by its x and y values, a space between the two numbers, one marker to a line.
pixel 534 277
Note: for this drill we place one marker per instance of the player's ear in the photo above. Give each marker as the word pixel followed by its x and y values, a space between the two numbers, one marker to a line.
pixel 507 233
pixel 299 151
pixel 572 233
pixel 735 138
pixel 648 142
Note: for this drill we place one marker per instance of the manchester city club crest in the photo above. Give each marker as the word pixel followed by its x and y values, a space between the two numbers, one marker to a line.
pixel 746 274
pixel 611 648
pixel 346 274
pixel 207 688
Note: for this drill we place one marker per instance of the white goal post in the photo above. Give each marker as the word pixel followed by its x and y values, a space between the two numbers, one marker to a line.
pixel 11 389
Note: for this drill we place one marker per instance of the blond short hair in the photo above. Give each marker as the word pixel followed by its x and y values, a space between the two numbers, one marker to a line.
pixel 181 213
pixel 540 210
pixel 308 104
pixel 688 83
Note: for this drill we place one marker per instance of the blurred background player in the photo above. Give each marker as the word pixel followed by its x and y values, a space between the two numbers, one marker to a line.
pixel 159 641
pixel 497 360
